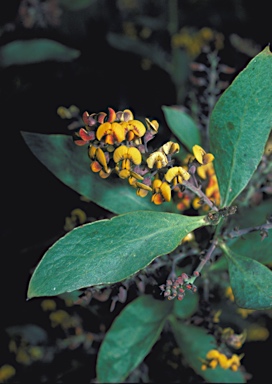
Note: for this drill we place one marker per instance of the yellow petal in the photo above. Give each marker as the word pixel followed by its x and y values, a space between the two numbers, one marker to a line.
pixel 199 153
pixel 143 186
pixel 124 174
pixel 170 147
pixel 156 184
pixel 104 174
pixel 135 155
pixel 136 175
pixel 166 191
pixel 176 171
pixel 141 192
pixel 118 132
pixel 120 153
pixel 102 130
pixel 156 157
pixel 153 125
pixel 213 354
pixel 100 155
pixel 92 151
pixel 137 127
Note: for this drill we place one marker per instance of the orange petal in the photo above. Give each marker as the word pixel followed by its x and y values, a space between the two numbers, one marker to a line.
pixel 157 199
pixel 111 115
pixel 208 158
pixel 95 166
pixel 101 117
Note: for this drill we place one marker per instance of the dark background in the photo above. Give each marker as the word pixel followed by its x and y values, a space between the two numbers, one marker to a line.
pixel 35 203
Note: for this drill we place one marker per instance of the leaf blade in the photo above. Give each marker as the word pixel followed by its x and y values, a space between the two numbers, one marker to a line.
pixel 250 280
pixel 182 126
pixel 194 342
pixel 130 338
pixel 70 164
pixel 108 251
pixel 242 116
pixel 22 52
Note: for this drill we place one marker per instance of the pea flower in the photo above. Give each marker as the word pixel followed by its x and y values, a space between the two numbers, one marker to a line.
pixel 126 155
pixel 176 175
pixel 201 156
pixel 100 162
pixel 161 192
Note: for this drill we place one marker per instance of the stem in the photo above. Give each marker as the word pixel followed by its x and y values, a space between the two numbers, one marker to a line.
pixel 241 232
pixel 200 194
pixel 204 261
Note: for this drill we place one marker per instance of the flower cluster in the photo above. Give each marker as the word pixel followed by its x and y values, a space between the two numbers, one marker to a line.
pixel 215 358
pixel 118 144
pixel 176 288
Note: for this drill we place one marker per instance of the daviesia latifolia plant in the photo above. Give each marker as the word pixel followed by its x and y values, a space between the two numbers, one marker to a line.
pixel 185 221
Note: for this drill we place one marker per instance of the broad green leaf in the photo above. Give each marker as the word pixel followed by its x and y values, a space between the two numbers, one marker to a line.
pixel 130 338
pixel 108 251
pixel 250 280
pixel 239 126
pixel 71 165
pixel 195 343
pixel 250 245
pixel 187 307
pixel 183 127
pixel 21 52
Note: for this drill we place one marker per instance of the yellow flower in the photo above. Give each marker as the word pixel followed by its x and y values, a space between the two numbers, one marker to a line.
pixel 126 155
pixel 170 148
pixel 257 333
pixel 201 156
pixel 176 175
pixel 229 293
pixel 113 132
pixel 48 305
pixel 152 125
pixel 134 129
pixel 157 159
pixel 161 192
pixel 99 163
pixel 142 189
pixel 6 372
pixel 214 357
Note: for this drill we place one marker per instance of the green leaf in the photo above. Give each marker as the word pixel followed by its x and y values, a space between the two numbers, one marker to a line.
pixel 71 165
pixel 239 126
pixel 108 251
pixel 250 280
pixel 187 307
pixel 130 338
pixel 195 343
pixel 21 52
pixel 183 127
pixel 250 245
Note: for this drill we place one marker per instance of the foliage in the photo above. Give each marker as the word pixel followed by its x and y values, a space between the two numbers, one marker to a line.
pixel 147 237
